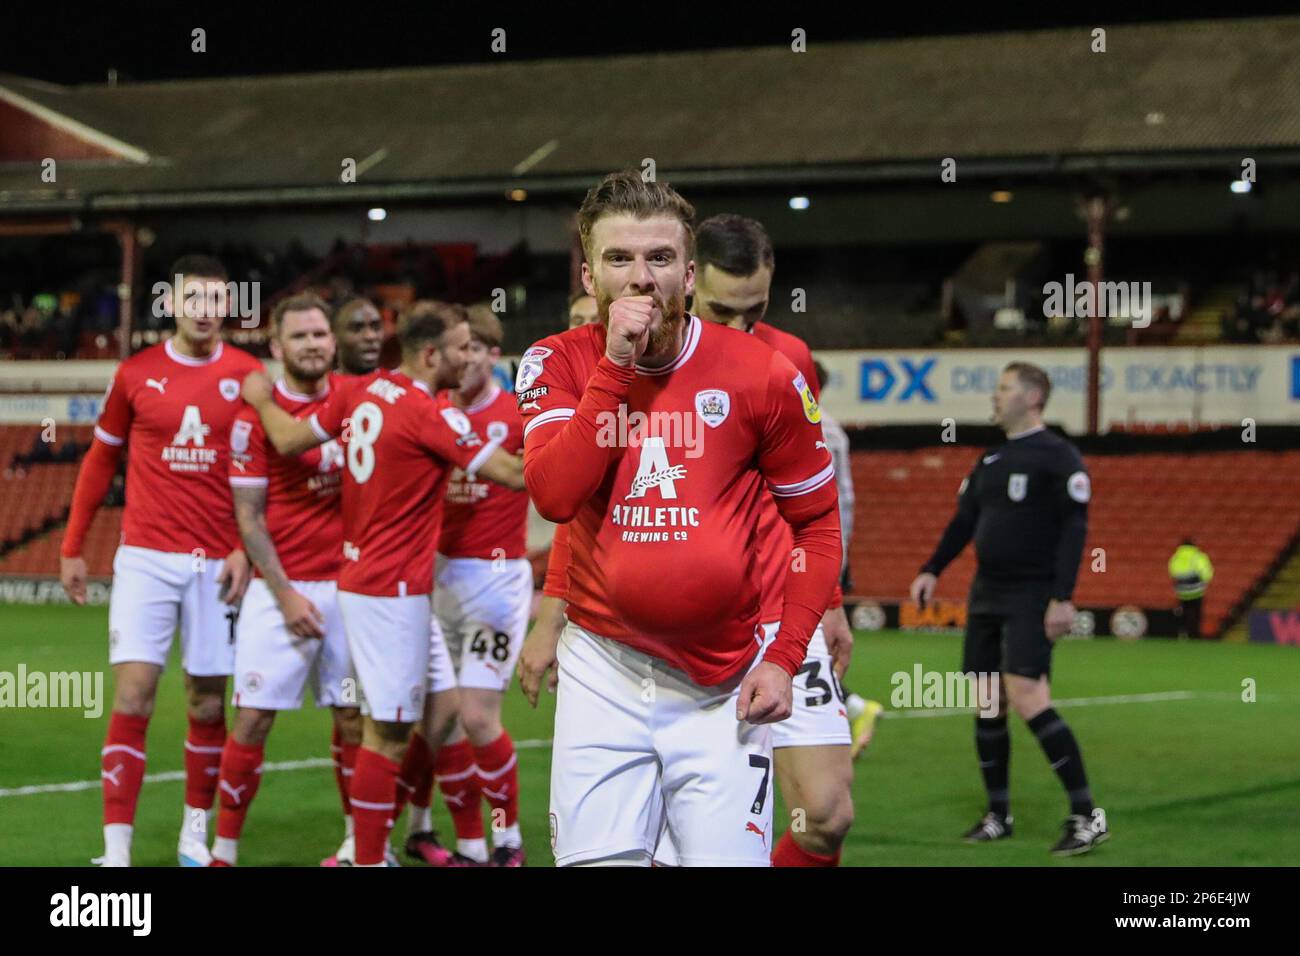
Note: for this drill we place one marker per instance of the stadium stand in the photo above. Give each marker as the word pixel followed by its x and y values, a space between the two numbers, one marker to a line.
pixel 1239 506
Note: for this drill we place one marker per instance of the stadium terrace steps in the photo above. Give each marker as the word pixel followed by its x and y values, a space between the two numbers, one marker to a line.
pixel 1239 506
pixel 1204 323
pixel 1281 593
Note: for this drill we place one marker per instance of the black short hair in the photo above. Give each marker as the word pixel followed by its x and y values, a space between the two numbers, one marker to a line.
pixel 197 264
pixel 347 308
pixel 735 244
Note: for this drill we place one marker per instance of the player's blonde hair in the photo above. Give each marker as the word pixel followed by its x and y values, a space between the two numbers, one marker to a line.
pixel 625 192
pixel 484 326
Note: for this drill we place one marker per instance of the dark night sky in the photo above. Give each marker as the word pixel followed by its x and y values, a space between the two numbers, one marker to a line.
pixel 150 39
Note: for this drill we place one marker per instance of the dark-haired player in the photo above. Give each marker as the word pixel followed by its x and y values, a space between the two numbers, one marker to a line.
pixel 180 562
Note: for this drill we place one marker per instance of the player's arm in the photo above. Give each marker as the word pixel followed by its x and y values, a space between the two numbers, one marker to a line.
pixel 93 480
pixel 301 616
pixel 1074 491
pixel 503 468
pixel 797 467
pixel 955 537
pixel 538 657
pixel 289 435
pixel 565 452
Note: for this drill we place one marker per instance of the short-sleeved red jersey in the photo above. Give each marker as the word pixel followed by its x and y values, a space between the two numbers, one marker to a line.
pixel 399 443
pixel 480 518
pixel 303 517
pixel 174 413
pixel 664 553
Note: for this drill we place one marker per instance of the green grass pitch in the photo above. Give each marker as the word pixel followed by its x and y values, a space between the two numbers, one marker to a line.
pixel 1194 778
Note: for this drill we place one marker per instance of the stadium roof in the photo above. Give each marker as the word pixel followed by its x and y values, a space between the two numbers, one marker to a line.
pixel 1193 95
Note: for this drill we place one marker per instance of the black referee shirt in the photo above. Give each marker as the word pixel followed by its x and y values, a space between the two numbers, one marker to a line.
pixel 1026 505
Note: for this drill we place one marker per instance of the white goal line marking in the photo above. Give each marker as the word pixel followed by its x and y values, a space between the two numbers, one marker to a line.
pixel 315 763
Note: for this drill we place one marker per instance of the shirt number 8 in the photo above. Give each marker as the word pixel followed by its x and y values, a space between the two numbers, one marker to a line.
pixel 367 422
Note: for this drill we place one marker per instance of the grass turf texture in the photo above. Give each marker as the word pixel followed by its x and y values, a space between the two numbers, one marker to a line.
pixel 1208 780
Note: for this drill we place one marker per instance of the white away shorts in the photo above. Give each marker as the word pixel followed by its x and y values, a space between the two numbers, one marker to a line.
pixel 637 746
pixel 273 665
pixel 153 592
pixel 483 608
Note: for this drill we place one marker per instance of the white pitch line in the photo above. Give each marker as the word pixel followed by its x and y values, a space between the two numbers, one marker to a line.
pixel 1154 698
pixel 311 763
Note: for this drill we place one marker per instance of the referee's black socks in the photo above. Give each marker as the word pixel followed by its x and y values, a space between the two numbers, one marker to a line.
pixel 993 744
pixel 1062 751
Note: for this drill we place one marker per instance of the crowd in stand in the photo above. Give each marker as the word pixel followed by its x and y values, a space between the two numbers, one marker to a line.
pixel 1267 311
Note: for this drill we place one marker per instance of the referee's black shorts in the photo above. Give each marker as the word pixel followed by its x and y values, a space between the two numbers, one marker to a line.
pixel 1004 628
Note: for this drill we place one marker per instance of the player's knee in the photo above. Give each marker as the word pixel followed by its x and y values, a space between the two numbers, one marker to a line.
pixel 831 819
pixel 348 722
pixel 206 708
pixel 252 727
pixel 482 724
pixel 1029 700
pixel 134 700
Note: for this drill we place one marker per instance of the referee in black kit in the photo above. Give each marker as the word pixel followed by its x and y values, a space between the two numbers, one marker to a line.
pixel 1026 505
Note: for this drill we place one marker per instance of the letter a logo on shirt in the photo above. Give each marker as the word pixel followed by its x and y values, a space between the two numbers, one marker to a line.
pixel 192 428
pixel 655 471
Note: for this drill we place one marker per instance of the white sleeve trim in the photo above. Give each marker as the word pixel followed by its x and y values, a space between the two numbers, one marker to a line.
pixel 108 439
pixel 550 415
pixel 479 460
pixel 805 486
pixel 321 434
pixel 248 481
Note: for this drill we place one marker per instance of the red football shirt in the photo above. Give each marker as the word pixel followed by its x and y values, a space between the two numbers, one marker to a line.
pixel 399 443
pixel 174 413
pixel 664 554
pixel 480 518
pixel 302 494
pixel 774 538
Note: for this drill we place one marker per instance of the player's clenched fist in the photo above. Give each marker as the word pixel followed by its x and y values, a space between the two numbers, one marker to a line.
pixel 257 389
pixel 72 573
pixel 629 328
pixel 766 695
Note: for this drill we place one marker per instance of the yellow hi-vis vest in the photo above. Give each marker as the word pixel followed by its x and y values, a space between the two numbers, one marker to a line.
pixel 1191 571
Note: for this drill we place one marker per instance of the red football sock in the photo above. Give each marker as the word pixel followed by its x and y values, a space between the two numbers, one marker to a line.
pixel 373 796
pixel 241 772
pixel 458 781
pixel 498 778
pixel 416 774
pixel 203 746
pixel 345 759
pixel 789 853
pixel 122 766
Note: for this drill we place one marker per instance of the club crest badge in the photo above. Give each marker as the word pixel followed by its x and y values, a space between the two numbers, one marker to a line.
pixel 1017 486
pixel 713 405
pixel 229 388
